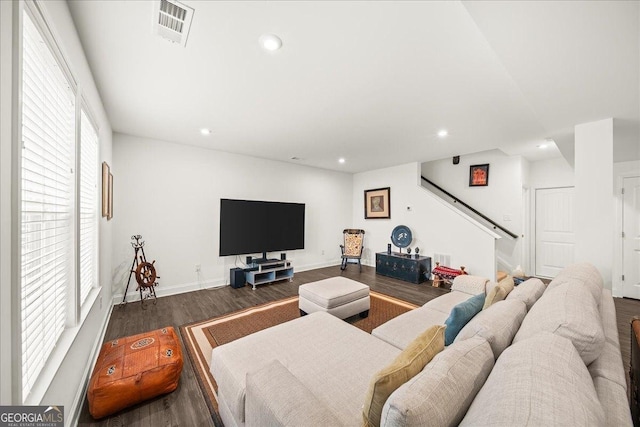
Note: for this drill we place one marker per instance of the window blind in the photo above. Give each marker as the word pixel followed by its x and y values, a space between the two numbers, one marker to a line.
pixel 46 205
pixel 88 206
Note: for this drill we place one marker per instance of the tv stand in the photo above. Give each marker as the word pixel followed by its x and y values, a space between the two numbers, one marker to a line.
pixel 269 271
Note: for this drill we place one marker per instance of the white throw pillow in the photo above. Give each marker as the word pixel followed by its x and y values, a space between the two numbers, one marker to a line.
pixel 528 292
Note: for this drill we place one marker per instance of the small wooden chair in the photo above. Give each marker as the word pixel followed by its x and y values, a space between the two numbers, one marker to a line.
pixel 352 248
pixel 442 274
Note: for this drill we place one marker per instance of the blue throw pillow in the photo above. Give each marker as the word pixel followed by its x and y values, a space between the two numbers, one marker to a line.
pixel 460 316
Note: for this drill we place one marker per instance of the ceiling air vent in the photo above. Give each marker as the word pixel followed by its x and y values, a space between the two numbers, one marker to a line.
pixel 172 20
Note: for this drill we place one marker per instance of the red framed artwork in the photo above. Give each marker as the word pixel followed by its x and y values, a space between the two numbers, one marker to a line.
pixel 479 175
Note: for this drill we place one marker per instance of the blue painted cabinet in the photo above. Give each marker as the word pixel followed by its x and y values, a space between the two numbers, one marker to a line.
pixel 401 266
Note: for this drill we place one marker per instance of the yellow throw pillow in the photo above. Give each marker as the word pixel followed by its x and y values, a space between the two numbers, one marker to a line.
pixel 407 365
pixel 500 292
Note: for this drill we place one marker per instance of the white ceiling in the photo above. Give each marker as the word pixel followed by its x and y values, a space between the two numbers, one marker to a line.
pixel 372 82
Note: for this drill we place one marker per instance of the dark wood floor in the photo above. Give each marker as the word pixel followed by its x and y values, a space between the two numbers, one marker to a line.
pixel 186 406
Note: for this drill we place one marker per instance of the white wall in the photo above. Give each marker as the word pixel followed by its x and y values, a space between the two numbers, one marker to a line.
pixel 71 375
pixel 170 194
pixel 436 227
pixel 551 173
pixel 6 129
pixel 501 200
pixel 594 203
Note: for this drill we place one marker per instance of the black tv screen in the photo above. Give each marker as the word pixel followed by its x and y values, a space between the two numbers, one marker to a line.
pixel 249 226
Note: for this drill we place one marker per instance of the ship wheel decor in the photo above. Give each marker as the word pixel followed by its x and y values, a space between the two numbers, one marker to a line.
pixel 144 272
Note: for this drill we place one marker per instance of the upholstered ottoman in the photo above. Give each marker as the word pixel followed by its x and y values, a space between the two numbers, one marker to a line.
pixel 133 369
pixel 338 296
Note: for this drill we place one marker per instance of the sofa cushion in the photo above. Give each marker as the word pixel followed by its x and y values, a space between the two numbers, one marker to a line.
pixel 269 402
pixel 499 292
pixel 609 320
pixel 310 347
pixel 403 329
pixel 613 398
pixel 468 284
pixel 460 316
pixel 569 311
pixel 584 273
pixel 609 365
pixel 402 369
pixel 540 381
pixel 441 394
pixel 528 292
pixel 498 325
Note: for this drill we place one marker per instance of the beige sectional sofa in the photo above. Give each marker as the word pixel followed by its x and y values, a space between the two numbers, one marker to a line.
pixel 542 356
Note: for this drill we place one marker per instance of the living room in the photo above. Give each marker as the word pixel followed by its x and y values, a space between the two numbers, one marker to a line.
pixel 511 77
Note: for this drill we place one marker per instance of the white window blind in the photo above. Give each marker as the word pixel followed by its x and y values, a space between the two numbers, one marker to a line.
pixel 47 199
pixel 88 206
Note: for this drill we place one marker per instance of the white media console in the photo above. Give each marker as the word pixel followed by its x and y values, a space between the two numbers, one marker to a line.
pixel 270 271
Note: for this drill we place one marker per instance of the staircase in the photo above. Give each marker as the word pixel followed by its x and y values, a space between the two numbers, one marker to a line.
pixel 504 245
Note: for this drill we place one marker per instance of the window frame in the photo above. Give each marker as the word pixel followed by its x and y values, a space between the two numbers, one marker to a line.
pixel 76 313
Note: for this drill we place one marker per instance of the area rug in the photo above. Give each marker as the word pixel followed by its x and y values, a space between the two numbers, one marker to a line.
pixel 200 338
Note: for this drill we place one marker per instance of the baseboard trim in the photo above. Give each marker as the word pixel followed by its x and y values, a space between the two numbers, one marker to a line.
pixel 165 291
pixel 82 391
pixel 172 290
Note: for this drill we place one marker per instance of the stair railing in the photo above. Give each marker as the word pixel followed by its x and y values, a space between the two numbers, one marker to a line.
pixel 475 211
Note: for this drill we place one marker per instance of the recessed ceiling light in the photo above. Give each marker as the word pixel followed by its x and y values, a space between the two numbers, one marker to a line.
pixel 443 133
pixel 205 131
pixel 341 160
pixel 542 146
pixel 270 42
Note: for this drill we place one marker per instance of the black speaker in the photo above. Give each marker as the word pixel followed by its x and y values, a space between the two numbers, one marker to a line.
pixel 456 160
pixel 249 260
pixel 283 256
pixel 237 278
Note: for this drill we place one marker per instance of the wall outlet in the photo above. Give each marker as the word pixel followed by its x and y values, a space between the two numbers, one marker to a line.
pixel 506 217
pixel 197 268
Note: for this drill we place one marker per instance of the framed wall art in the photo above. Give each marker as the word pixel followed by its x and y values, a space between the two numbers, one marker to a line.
pixel 106 171
pixel 479 175
pixel 377 203
pixel 110 215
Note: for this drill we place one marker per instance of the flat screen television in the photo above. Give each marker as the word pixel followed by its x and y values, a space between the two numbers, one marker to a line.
pixel 251 226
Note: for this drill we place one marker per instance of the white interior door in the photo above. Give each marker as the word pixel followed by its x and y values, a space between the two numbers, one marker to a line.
pixel 631 237
pixel 555 236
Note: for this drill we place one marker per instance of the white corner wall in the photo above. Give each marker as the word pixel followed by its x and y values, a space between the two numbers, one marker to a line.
pixel 594 202
pixel 501 200
pixel 70 377
pixel 170 194
pixel 6 130
pixel 436 227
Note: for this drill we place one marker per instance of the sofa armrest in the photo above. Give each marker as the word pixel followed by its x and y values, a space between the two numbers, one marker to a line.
pixel 275 397
pixel 472 285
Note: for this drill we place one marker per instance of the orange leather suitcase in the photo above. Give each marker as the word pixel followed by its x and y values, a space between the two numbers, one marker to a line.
pixel 133 369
